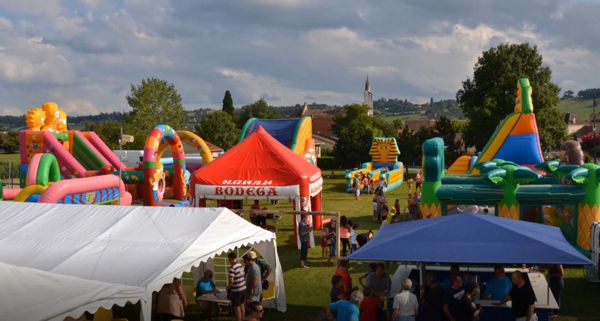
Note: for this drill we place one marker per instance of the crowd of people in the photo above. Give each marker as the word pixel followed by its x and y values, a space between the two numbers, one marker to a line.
pixel 246 281
pixel 453 299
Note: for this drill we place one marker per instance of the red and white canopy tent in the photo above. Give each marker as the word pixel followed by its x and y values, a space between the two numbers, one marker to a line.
pixel 260 167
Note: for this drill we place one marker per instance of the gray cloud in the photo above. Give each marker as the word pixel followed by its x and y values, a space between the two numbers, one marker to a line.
pixel 85 55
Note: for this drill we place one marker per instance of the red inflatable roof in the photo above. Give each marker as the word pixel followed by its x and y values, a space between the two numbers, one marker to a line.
pixel 259 160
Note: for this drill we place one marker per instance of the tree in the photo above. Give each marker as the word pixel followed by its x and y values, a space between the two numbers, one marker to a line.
pixel 445 129
pixel 218 128
pixel 9 141
pixel 155 102
pixel 258 109
pixel 228 103
pixel 353 145
pixel 110 132
pixel 568 94
pixel 490 95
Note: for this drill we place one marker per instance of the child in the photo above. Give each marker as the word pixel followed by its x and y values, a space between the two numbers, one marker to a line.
pixel 325 242
pixel 375 208
pixel 353 242
pixel 336 288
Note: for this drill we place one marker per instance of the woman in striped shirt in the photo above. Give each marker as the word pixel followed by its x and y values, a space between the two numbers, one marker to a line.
pixel 237 286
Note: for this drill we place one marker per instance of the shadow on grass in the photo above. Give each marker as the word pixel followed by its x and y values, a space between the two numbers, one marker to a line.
pixel 297 313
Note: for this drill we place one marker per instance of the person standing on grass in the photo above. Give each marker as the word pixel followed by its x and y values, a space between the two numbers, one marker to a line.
pixel 206 285
pixel 556 282
pixel 379 284
pixel 522 297
pixel 369 306
pixel 342 271
pixel 304 229
pixel 432 297
pixel 356 185
pixel 332 241
pixel 345 310
pixel 253 280
pixel 336 289
pixel 452 298
pixel 344 235
pixel 353 235
pixel 172 301
pixel 498 286
pixel 406 305
pixel 237 287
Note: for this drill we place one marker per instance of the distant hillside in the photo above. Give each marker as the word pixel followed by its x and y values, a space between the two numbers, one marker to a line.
pixel 75 122
pixel 582 108
pixel 397 108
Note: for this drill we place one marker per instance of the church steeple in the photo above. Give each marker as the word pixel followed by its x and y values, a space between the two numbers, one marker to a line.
pixel 368 97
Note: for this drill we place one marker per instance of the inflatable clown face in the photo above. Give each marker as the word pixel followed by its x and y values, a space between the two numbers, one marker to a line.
pixel 158 182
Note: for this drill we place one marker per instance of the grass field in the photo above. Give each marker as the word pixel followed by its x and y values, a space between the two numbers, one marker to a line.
pixel 405 117
pixel 5 158
pixel 581 108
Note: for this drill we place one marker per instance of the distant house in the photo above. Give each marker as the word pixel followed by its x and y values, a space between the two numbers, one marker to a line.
pixel 214 149
pixel 322 123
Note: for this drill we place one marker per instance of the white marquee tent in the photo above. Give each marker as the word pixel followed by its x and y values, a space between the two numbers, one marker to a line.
pixel 62 260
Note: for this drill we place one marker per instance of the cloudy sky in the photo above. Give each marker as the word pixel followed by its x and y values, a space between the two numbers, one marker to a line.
pixel 84 55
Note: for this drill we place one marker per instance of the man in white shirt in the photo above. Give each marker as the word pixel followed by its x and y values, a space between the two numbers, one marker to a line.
pixel 405 304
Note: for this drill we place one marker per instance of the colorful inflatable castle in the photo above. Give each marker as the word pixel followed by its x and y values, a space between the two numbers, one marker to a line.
pixel 58 165
pixel 383 169
pixel 516 139
pixel 512 180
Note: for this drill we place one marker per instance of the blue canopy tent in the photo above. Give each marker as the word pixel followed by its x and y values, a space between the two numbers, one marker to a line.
pixel 470 238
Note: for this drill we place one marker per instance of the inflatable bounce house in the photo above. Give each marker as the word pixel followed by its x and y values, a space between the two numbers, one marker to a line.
pixel 521 185
pixel 58 165
pixel 384 165
pixel 294 133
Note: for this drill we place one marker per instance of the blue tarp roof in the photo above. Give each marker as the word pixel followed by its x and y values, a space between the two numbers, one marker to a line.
pixel 470 238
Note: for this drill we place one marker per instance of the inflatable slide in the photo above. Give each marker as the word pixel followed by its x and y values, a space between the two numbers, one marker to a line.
pixel 295 133
pixel 516 139
pixel 384 165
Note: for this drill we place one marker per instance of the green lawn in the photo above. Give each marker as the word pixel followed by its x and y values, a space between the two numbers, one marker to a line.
pixel 5 158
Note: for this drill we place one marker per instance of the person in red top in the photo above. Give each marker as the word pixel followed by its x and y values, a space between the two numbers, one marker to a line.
pixel 342 271
pixel 368 307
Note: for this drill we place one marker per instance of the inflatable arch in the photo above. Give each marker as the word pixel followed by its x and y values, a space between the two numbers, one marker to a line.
pixel 194 140
pixel 154 178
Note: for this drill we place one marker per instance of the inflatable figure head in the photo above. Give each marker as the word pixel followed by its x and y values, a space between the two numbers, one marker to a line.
pixel 61 124
pixel 52 115
pixel 571 153
pixel 523 102
pixel 35 118
pixel 384 150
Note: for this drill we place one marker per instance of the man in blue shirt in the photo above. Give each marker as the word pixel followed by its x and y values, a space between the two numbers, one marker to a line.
pixel 206 285
pixel 344 310
pixel 497 288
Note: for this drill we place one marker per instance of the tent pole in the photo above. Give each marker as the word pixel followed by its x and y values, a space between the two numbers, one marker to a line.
pixel 421 268
pixel 337 239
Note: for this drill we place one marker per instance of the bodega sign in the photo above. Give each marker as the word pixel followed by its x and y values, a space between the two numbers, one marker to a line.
pixel 243 192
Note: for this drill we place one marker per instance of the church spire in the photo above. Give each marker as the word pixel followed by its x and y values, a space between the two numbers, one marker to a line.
pixel 368 97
